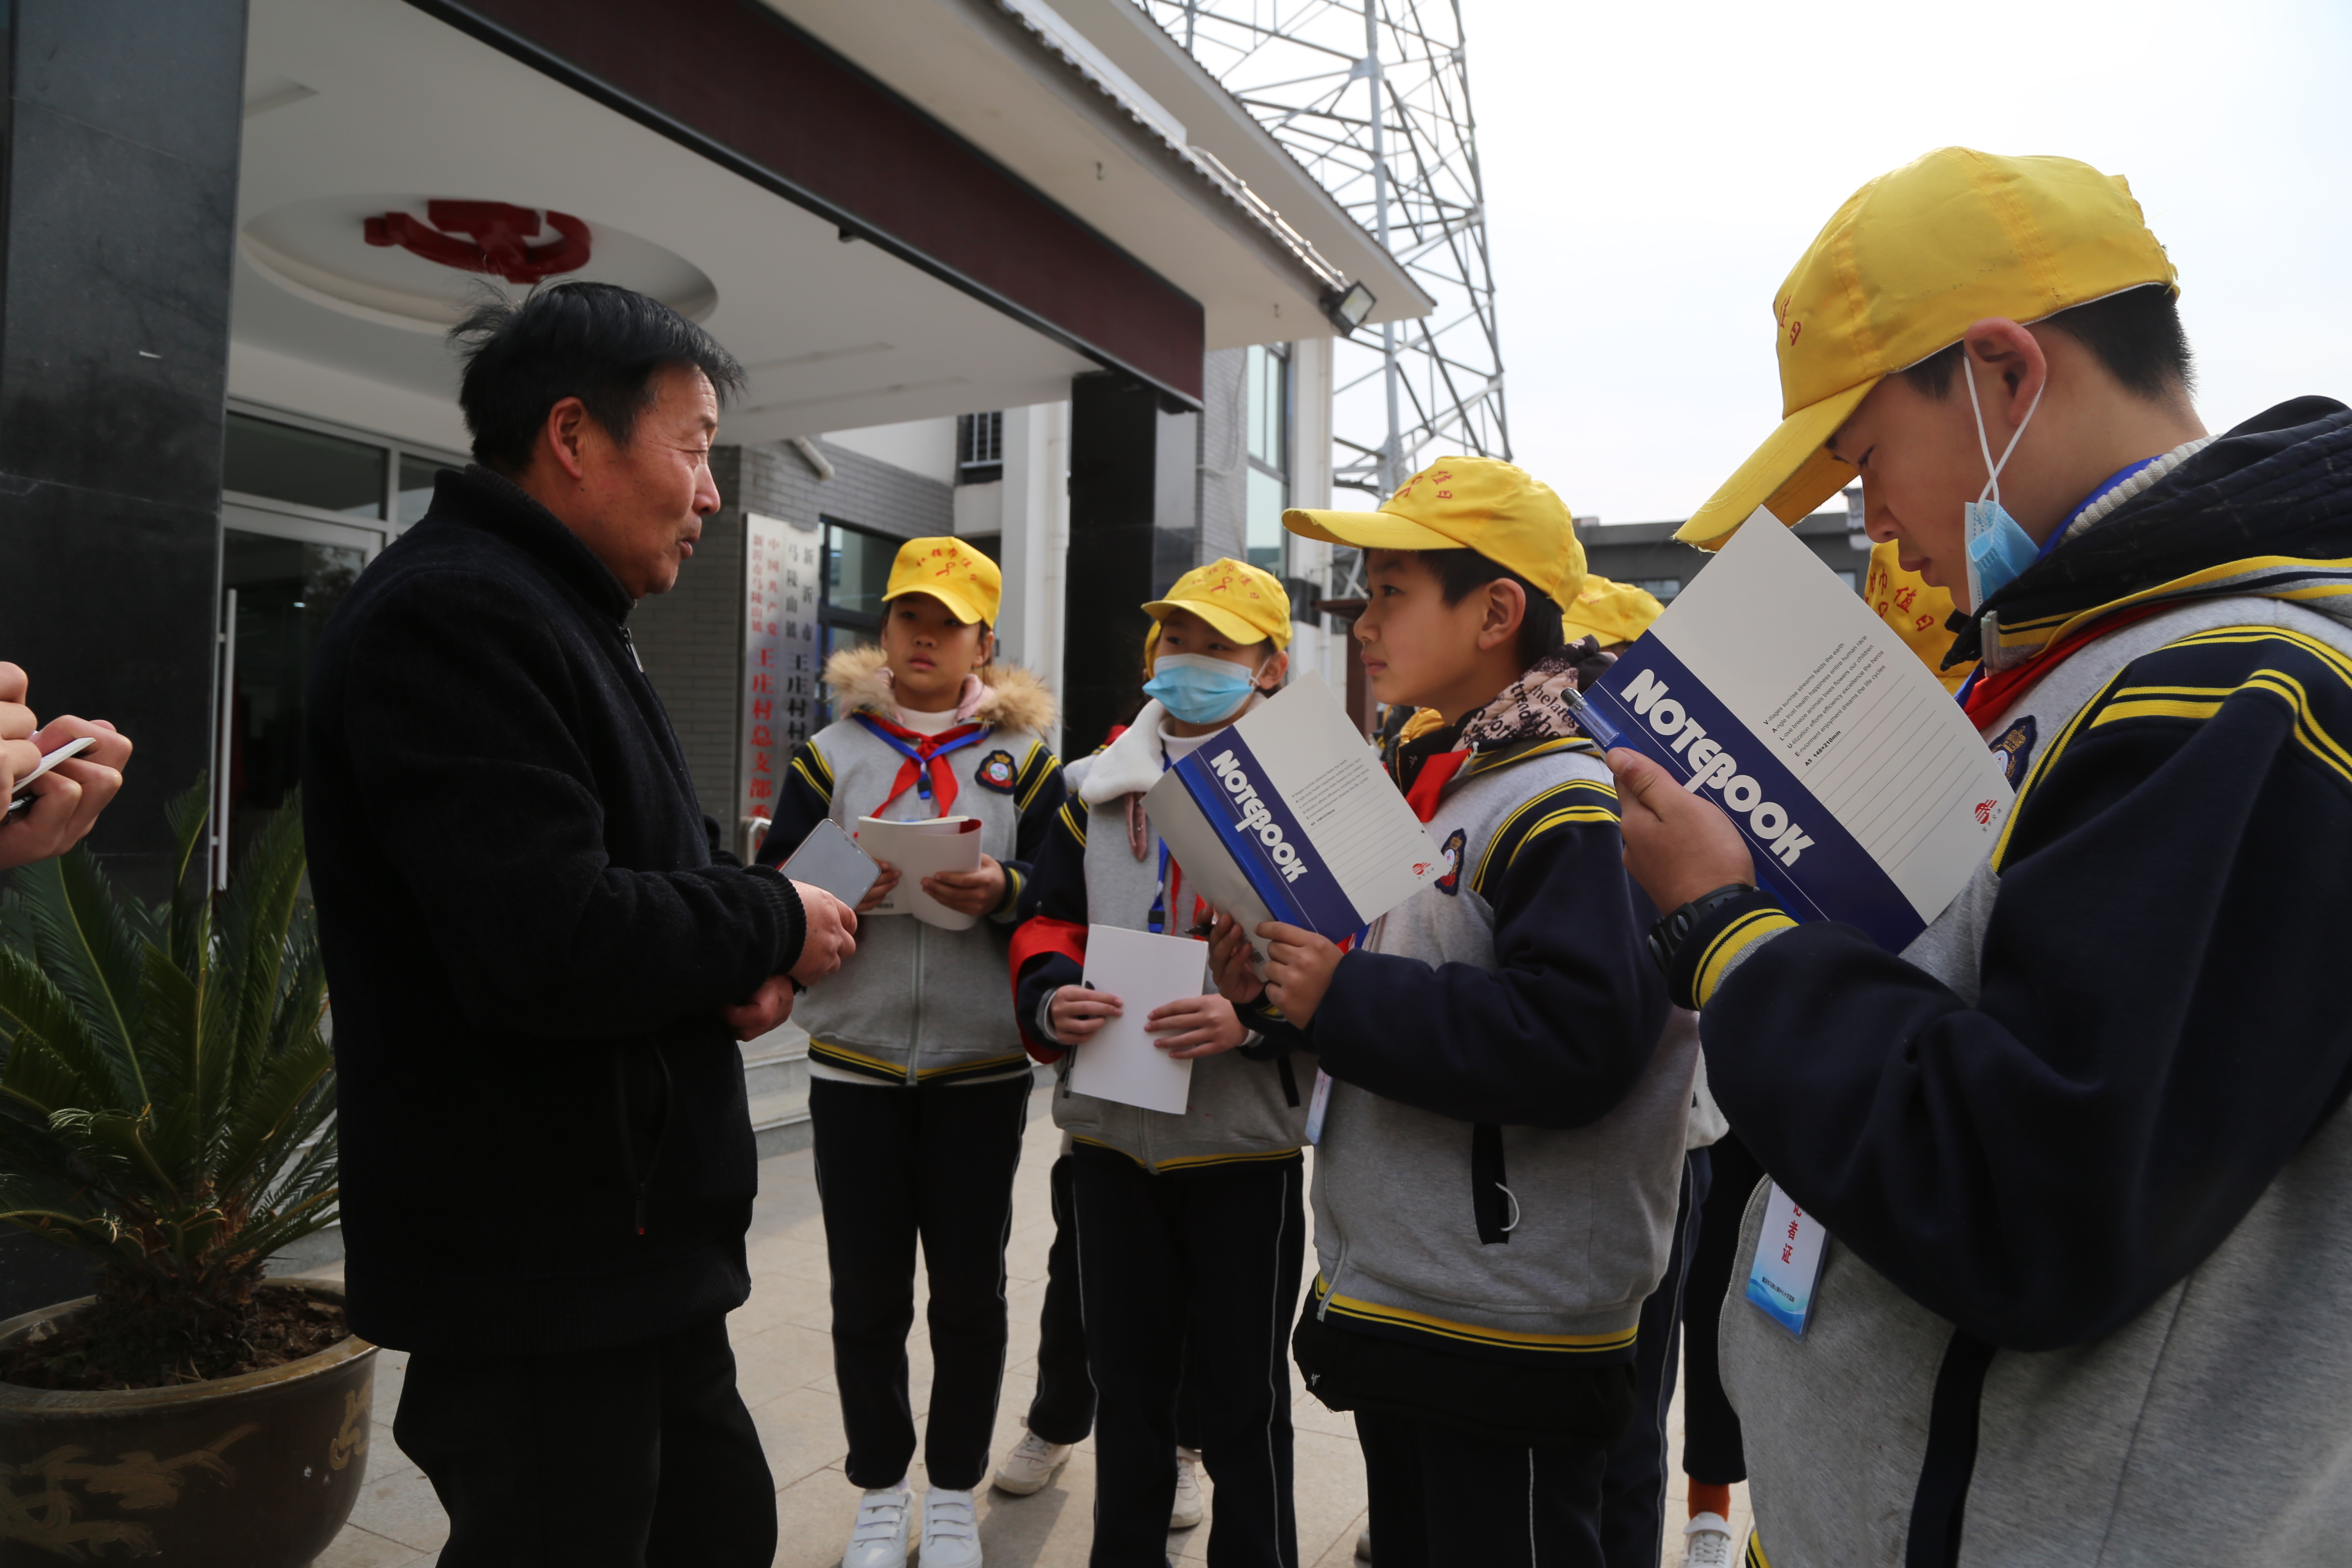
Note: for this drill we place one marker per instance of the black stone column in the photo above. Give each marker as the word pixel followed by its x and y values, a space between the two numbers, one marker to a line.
pixel 1134 530
pixel 119 139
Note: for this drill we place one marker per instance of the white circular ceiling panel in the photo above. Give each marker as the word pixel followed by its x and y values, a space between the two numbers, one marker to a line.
pixel 320 250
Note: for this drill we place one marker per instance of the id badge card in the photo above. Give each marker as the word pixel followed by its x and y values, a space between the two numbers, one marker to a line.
pixel 1788 1262
pixel 1318 1104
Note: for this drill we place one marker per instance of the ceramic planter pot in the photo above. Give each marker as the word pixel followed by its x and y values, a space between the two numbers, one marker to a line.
pixel 255 1471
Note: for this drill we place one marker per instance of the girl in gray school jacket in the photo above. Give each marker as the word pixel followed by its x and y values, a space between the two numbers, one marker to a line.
pixel 919 1092
pixel 1191 1227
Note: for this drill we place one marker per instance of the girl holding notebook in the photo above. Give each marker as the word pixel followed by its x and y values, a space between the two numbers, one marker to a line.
pixel 1191 1226
pixel 919 1092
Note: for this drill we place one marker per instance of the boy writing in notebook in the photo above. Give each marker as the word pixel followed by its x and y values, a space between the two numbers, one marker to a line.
pixel 1502 1136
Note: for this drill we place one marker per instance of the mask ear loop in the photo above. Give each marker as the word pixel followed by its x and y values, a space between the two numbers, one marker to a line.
pixel 1267 691
pixel 1992 470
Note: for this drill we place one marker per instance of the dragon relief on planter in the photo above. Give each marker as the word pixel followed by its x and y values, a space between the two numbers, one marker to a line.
pixel 350 1442
pixel 46 1516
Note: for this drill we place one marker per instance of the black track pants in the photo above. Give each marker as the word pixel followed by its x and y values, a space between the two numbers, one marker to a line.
pixel 1212 1257
pixel 1063 1408
pixel 894 1165
pixel 1634 1487
pixel 1711 1445
pixel 1442 1498
pixel 636 1457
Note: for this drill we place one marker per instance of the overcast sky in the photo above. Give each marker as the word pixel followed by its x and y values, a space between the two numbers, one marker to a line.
pixel 1654 171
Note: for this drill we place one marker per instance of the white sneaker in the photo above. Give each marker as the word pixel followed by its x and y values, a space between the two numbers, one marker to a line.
pixel 1191 1507
pixel 1031 1466
pixel 886 1518
pixel 950 1529
pixel 1707 1544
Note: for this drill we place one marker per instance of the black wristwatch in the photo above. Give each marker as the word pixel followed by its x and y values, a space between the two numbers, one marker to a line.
pixel 1667 935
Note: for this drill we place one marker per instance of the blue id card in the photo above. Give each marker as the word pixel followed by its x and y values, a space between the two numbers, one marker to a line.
pixel 1787 1264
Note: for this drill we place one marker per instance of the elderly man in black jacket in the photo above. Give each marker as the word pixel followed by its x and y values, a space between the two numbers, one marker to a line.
pixel 541 962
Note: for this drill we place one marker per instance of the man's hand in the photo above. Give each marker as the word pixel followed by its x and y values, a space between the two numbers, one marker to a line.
pixel 831 938
pixel 1077 1013
pixel 1196 1026
pixel 1677 847
pixel 770 1005
pixel 1298 968
pixel 69 797
pixel 18 754
pixel 1232 964
pixel 881 888
pixel 969 892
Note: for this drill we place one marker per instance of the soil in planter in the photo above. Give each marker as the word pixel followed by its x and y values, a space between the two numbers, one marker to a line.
pixel 287 1326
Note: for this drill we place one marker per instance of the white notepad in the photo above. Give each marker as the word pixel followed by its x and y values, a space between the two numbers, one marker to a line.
pixel 1143 971
pixel 920 849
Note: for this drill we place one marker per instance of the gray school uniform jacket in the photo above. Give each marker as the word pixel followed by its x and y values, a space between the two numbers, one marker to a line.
pixel 917 1004
pixel 2081 1154
pixel 1503 1147
pixel 1243 1107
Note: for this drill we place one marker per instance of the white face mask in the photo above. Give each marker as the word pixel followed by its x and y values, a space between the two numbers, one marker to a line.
pixel 1997 549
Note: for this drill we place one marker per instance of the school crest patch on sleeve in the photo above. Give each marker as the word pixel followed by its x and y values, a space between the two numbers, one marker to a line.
pixel 2015 749
pixel 1450 884
pixel 996 771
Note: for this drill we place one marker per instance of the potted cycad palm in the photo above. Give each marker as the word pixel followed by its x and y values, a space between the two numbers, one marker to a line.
pixel 167 1109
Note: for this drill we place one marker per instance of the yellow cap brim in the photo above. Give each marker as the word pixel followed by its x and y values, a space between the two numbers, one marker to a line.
pixel 1224 620
pixel 1366 530
pixel 963 609
pixel 1792 473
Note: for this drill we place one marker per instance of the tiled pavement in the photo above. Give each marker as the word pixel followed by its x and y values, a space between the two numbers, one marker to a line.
pixel 785 1362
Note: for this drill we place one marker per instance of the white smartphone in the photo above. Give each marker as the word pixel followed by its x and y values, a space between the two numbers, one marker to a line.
pixel 19 798
pixel 830 858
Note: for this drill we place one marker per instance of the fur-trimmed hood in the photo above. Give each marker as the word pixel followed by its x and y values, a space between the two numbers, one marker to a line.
pixel 1011 698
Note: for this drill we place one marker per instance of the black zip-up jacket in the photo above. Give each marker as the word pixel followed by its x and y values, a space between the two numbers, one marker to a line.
pixel 530 932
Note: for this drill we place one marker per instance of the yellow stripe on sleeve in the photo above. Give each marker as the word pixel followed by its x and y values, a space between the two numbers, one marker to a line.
pixel 1577 800
pixel 1730 942
pixel 824 786
pixel 2155 708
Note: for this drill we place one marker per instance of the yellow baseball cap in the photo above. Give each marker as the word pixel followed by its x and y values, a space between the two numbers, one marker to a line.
pixel 1245 603
pixel 951 571
pixel 1916 609
pixel 1612 612
pixel 1505 514
pixel 1907 265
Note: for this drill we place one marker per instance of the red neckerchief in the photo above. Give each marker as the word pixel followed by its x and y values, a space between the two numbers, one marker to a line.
pixel 921 751
pixel 1429 782
pixel 1996 690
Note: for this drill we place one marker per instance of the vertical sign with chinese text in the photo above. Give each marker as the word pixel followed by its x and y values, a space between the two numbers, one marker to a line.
pixel 781 578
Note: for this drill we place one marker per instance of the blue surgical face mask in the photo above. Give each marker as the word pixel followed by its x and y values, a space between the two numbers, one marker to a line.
pixel 1199 689
pixel 1998 547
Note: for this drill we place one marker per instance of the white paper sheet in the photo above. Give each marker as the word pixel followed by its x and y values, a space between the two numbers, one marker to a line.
pixel 1144 971
pixel 1770 687
pixel 920 849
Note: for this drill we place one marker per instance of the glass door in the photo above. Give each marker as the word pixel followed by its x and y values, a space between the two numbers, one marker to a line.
pixel 282 574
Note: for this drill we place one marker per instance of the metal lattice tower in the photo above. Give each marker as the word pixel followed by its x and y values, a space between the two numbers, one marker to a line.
pixel 1373 97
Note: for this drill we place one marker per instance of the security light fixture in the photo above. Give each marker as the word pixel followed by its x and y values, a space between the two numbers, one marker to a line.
pixel 1348 310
